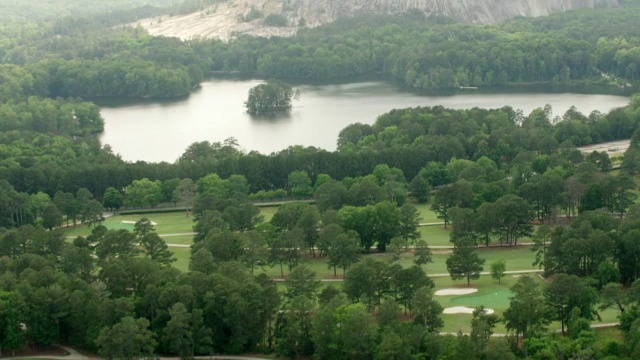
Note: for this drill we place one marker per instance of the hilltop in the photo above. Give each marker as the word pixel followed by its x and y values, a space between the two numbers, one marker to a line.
pixel 227 19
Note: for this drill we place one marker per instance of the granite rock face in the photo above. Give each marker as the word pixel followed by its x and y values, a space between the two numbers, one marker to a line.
pixel 318 12
pixel 225 19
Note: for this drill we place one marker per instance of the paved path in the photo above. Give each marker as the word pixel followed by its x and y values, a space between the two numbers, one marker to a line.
pixel 75 355
pixel 593 326
pixel 179 245
pixel 218 357
pixel 72 355
pixel 178 234
pixel 512 272
pixel 480 247
pixel 615 147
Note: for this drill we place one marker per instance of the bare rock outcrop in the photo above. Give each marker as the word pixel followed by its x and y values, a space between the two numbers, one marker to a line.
pixel 318 12
pixel 228 18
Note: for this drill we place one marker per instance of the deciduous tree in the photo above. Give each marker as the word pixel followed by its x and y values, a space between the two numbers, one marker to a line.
pixel 129 339
pixel 527 308
pixel 498 269
pixel 271 98
pixel 465 262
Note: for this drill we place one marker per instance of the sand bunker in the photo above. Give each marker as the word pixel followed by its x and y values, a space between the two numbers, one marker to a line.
pixel 463 310
pixel 456 291
pixel 133 222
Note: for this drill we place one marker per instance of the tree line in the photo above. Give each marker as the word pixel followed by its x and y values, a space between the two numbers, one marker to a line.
pixel 95 292
pixel 90 58
pixel 410 139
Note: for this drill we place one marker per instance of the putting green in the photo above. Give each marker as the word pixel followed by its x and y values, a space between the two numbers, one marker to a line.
pixel 497 299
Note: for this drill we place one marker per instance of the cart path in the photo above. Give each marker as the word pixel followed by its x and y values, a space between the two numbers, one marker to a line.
pixel 511 272
pixel 73 354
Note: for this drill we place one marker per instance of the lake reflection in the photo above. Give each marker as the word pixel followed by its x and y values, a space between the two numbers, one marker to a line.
pixel 161 131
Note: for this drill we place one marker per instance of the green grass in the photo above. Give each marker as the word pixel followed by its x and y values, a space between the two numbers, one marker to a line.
pixel 494 296
pixel 268 212
pixel 608 334
pixel 182 239
pixel 436 235
pixel 491 294
pixel 498 299
pixel 168 223
pixel 515 258
pixel 182 255
pixel 426 214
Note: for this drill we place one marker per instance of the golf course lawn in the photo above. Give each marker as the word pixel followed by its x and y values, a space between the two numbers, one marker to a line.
pixel 167 223
pixel 182 239
pixel 436 235
pixel 268 212
pixel 182 255
pixel 426 214
pixel 491 294
pixel 519 258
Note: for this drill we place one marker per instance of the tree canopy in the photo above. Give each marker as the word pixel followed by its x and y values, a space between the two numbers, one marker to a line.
pixel 271 98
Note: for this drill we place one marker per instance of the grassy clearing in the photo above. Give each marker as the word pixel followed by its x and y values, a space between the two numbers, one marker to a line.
pixel 490 293
pixel 168 223
pixel 436 235
pixel 182 255
pixel 496 296
pixel 182 239
pixel 268 212
pixel 427 215
pixel 515 258
pixel 609 334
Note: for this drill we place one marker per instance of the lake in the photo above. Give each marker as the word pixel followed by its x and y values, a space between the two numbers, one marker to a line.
pixel 162 130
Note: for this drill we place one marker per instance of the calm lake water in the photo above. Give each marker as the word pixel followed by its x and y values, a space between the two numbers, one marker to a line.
pixel 161 131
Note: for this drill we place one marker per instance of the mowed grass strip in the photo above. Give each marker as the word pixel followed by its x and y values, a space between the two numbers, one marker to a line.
pixel 491 294
pixel 181 240
pixel 436 235
pixel 268 212
pixel 426 214
pixel 182 256
pixel 517 258
pixel 167 223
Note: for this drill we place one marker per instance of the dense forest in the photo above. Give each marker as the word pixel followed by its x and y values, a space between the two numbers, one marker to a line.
pixel 490 174
pixel 79 57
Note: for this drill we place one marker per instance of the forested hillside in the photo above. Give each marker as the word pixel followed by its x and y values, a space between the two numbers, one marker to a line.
pixel 76 59
pixel 34 10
